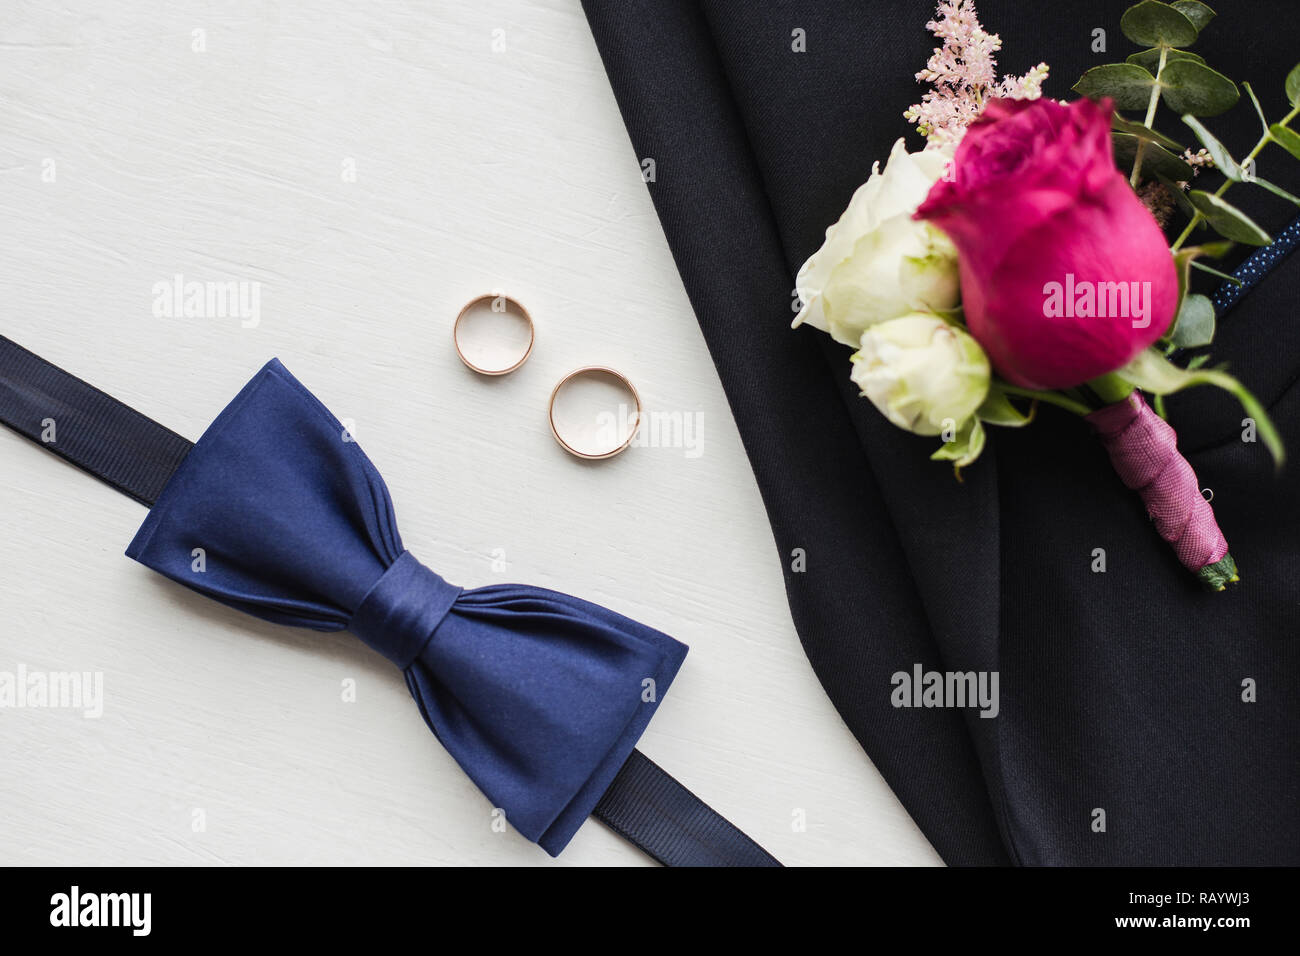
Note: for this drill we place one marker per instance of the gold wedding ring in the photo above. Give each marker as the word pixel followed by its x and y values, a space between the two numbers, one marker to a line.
pixel 507 304
pixel 618 439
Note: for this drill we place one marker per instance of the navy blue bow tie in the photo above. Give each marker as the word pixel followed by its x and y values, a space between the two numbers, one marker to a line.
pixel 539 696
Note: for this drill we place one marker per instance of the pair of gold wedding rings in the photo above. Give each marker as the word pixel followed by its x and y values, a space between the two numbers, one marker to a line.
pixel 569 438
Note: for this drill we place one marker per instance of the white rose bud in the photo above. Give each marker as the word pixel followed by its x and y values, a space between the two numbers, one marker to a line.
pixel 877 262
pixel 920 371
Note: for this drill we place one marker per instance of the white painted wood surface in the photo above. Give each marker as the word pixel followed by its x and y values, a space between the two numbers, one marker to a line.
pixel 128 156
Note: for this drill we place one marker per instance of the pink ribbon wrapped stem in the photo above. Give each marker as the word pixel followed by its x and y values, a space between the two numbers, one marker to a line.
pixel 1143 449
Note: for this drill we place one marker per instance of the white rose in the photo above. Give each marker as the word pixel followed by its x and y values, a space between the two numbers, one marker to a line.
pixel 877 262
pixel 920 371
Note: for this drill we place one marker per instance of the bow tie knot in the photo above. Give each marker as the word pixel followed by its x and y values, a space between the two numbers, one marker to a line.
pixel 401 612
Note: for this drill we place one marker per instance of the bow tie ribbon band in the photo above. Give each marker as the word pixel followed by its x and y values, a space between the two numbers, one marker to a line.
pixel 541 697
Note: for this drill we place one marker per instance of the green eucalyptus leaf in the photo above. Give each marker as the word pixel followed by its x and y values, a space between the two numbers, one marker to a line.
pixel 1128 85
pixel 1229 221
pixel 1214 250
pixel 997 409
pixel 1180 198
pixel 1275 190
pixel 1149 60
pixel 1259 110
pixel 1286 137
pixel 1194 324
pixel 1182 263
pixel 1120 125
pixel 1190 87
pixel 1218 152
pixel 1178 194
pixel 1197 12
pixel 1182 266
pixel 965 448
pixel 1293 85
pixel 1219 273
pixel 1156 160
pixel 1151 23
pixel 1153 373
pixel 1186 257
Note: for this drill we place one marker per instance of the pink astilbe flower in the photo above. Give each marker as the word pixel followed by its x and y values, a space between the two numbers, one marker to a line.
pixel 963 72
pixel 1198 160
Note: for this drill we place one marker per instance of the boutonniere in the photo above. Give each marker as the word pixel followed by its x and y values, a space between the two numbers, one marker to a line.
pixel 1021 258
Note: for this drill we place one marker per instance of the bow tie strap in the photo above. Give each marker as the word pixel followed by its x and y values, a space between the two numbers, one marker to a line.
pixel 540 696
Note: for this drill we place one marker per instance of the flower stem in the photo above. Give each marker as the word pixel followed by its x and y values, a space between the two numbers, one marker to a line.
pixel 1051 398
pixel 1110 388
pixel 1151 118
pixel 1263 141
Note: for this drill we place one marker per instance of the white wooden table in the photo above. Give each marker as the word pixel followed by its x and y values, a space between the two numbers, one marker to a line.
pixel 371 167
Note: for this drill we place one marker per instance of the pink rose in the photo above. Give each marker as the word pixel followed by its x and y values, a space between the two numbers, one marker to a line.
pixel 1065 275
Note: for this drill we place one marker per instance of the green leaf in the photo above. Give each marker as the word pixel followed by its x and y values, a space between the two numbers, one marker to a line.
pixel 1128 85
pixel 1185 258
pixel 1229 221
pixel 1120 125
pixel 1191 87
pixel 1214 250
pixel 1219 273
pixel 1197 12
pixel 1218 152
pixel 1149 60
pixel 1151 23
pixel 1152 372
pixel 1182 266
pixel 1194 325
pixel 1275 190
pixel 1293 85
pixel 1156 160
pixel 1259 110
pixel 998 410
pixel 1286 137
pixel 1180 197
pixel 1189 254
pixel 965 448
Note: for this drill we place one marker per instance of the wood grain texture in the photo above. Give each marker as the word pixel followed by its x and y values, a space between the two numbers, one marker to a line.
pixel 475 170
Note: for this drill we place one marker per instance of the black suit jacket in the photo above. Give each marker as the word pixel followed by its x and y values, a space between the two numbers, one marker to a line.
pixel 1119 691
